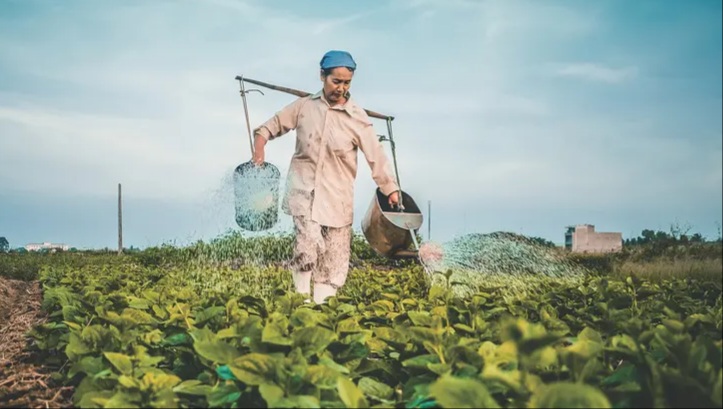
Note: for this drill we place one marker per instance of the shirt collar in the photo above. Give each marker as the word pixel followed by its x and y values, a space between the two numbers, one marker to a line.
pixel 348 106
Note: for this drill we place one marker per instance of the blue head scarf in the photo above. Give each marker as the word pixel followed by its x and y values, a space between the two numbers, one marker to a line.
pixel 336 58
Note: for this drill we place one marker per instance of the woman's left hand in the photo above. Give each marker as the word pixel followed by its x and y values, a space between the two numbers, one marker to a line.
pixel 394 198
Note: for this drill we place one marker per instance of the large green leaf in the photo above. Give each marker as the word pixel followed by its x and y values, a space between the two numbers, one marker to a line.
pixel 276 333
pixel 313 340
pixel 121 362
pixel 305 317
pixel 568 395
pixel 133 317
pixel 326 361
pixel 420 318
pixel 391 336
pixel 193 387
pixel 452 392
pixel 89 365
pixel 217 351
pixel 272 394
pixel 420 335
pixel 589 344
pixel 158 380
pixel 627 372
pixel 376 389
pixel 76 347
pixel 355 351
pixel 180 338
pixel 350 394
pixel 321 376
pixel 224 372
pixel 223 395
pixel 254 368
pixel 298 401
pixel 348 325
pixel 139 303
pixel 209 314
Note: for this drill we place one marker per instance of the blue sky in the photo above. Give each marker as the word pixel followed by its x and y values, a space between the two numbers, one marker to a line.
pixel 523 116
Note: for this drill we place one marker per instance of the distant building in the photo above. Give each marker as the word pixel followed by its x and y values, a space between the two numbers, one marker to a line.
pixel 46 246
pixel 583 238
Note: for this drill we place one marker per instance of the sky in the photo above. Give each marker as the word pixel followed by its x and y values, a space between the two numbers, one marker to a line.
pixel 520 116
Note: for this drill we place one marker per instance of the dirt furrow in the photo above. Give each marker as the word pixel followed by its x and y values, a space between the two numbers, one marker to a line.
pixel 24 382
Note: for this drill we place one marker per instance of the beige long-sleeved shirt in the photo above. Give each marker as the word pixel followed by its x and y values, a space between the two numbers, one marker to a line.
pixel 325 160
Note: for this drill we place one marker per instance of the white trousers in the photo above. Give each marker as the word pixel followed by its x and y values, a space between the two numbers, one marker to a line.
pixel 321 254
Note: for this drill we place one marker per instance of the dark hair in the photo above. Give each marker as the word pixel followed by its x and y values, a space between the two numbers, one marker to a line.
pixel 328 71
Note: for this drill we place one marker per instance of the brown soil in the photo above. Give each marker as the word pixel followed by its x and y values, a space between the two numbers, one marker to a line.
pixel 23 380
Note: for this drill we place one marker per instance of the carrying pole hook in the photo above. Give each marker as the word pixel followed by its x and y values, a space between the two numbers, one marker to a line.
pixel 243 92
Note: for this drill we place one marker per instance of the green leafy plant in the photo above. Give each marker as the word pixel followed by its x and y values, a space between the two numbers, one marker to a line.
pixel 136 334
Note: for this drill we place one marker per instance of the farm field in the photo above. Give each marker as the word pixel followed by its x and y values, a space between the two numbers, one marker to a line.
pixel 218 325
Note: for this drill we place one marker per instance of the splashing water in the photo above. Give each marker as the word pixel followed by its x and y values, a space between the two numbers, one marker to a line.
pixel 217 209
pixel 510 262
pixel 223 262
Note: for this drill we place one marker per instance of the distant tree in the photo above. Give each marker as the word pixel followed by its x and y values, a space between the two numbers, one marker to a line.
pixel 4 244
pixel 648 236
pixel 542 241
pixel 660 239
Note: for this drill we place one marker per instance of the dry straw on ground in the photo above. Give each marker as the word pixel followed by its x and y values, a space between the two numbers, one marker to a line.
pixel 23 381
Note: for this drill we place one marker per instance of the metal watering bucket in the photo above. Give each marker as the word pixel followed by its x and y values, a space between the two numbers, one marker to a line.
pixel 256 188
pixel 390 231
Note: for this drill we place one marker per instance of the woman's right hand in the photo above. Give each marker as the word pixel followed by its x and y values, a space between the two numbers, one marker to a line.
pixel 259 147
pixel 258 158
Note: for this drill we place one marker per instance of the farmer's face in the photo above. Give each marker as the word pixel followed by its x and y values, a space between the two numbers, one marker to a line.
pixel 336 84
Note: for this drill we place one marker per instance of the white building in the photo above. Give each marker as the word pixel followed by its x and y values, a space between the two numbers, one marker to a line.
pixel 583 238
pixel 46 246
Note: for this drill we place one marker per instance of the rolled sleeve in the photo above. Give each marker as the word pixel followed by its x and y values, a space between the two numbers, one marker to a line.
pixel 282 122
pixel 379 164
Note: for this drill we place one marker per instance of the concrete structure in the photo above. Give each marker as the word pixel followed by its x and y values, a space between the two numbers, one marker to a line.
pixel 582 238
pixel 46 246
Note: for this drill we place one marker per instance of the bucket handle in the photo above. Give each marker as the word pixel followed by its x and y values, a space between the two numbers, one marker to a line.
pixel 394 158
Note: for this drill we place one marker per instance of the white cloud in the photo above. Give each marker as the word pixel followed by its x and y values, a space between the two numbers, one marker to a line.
pixel 193 131
pixel 456 102
pixel 598 72
pixel 522 18
pixel 84 153
pixel 154 104
pixel 325 27
pixel 425 5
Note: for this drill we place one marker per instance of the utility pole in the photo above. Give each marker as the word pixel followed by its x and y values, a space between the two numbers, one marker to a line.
pixel 120 222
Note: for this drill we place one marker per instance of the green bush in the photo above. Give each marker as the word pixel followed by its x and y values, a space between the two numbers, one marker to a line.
pixel 27 265
pixel 595 262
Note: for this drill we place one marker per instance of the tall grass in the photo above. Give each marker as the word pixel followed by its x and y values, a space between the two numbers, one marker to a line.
pixel 662 269
pixel 656 262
